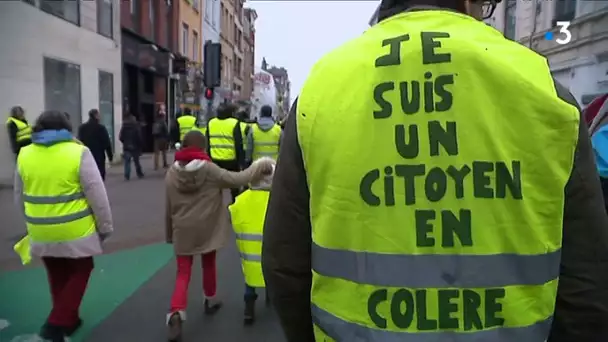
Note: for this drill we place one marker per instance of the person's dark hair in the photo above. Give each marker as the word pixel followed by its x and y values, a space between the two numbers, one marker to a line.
pixel 16 110
pixel 389 8
pixel 93 112
pixel 195 138
pixel 52 120
pixel 188 111
pixel 226 110
pixel 266 111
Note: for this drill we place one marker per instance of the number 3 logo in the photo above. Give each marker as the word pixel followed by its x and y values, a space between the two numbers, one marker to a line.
pixel 563 28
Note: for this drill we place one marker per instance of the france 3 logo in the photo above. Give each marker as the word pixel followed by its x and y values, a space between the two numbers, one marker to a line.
pixel 563 36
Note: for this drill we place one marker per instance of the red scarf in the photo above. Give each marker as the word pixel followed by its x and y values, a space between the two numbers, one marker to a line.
pixel 188 154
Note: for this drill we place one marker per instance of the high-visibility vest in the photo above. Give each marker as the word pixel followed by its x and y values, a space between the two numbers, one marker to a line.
pixel 56 209
pixel 186 123
pixel 436 185
pixel 248 213
pixel 245 127
pixel 266 143
pixel 221 138
pixel 24 130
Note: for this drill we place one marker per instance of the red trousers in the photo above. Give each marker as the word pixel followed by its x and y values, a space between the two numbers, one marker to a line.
pixel 179 300
pixel 68 279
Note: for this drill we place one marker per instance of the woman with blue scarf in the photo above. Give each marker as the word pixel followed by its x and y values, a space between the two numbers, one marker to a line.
pixel 67 213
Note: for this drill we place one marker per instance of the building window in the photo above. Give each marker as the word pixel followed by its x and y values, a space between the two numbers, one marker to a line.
pixel 208 9
pixel 185 40
pixel 213 18
pixel 196 4
pixel 152 15
pixel 565 10
pixel 510 19
pixel 194 46
pixel 62 88
pixel 105 22
pixel 133 6
pixel 106 101
pixel 65 9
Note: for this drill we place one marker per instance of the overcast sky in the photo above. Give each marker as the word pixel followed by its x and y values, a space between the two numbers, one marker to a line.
pixel 295 34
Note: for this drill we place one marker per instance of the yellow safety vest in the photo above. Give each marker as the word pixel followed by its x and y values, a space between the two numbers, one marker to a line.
pixel 56 209
pixel 248 213
pixel 24 130
pixel 245 127
pixel 445 222
pixel 186 123
pixel 266 143
pixel 221 138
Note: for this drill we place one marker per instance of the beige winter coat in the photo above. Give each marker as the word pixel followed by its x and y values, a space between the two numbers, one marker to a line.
pixel 197 216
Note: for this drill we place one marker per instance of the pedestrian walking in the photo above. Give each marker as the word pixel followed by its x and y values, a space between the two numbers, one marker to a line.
pixel 94 135
pixel 186 122
pixel 435 183
pixel 197 220
pixel 19 130
pixel 225 142
pixel 67 215
pixel 599 139
pixel 160 134
pixel 264 137
pixel 132 142
pixel 247 215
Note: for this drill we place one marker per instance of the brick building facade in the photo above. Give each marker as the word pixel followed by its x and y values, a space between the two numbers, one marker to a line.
pixel 149 38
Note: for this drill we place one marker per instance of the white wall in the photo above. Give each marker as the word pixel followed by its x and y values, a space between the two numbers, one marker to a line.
pixel 28 34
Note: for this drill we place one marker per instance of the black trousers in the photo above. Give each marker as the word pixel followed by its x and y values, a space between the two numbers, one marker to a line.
pixel 101 165
pixel 230 165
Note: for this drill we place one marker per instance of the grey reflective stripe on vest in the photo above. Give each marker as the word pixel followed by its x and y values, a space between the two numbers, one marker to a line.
pixel 266 143
pixel 227 137
pixel 249 237
pixel 251 257
pixel 341 330
pixel 436 271
pixel 266 154
pixel 52 199
pixel 59 219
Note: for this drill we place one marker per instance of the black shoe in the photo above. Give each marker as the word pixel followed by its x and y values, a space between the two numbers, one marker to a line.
pixel 212 307
pixel 52 333
pixel 175 327
pixel 249 315
pixel 70 331
pixel 140 176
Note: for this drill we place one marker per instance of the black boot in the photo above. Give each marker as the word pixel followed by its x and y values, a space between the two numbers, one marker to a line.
pixel 212 306
pixel 249 316
pixel 52 333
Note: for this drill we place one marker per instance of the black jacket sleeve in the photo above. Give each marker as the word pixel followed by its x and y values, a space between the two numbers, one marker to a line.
pixel 286 252
pixel 238 145
pixel 107 143
pixel 581 312
pixel 12 136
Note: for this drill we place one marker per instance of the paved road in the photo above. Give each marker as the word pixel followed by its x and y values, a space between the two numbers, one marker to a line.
pixel 130 289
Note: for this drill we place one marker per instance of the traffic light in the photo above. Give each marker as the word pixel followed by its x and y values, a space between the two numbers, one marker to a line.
pixel 209 93
pixel 212 68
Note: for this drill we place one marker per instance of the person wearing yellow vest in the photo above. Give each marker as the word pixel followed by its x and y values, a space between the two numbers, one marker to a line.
pixel 248 213
pixel 225 142
pixel 436 184
pixel 264 137
pixel 67 214
pixel 186 122
pixel 19 130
